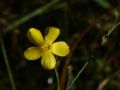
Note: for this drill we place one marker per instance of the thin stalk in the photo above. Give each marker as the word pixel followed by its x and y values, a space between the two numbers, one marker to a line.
pixel 112 29
pixel 79 73
pixel 57 77
pixel 70 78
pixel 25 18
pixel 7 64
pixel 104 38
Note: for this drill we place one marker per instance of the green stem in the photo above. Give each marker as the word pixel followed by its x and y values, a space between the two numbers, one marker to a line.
pixel 112 29
pixel 57 77
pixel 7 64
pixel 29 16
pixel 79 73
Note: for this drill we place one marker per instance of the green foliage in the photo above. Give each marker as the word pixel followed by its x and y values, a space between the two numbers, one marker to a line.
pixel 90 27
pixel 103 3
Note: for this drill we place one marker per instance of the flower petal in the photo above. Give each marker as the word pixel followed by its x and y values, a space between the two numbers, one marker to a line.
pixel 32 53
pixel 35 36
pixel 53 33
pixel 48 60
pixel 60 48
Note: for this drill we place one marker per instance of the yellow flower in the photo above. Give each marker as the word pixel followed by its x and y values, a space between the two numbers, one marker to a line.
pixel 45 48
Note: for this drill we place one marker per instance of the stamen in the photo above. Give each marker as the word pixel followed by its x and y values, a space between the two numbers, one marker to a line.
pixel 45 47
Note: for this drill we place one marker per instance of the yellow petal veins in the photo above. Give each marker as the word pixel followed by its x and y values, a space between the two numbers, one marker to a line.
pixel 53 33
pixel 35 36
pixel 32 53
pixel 48 60
pixel 60 48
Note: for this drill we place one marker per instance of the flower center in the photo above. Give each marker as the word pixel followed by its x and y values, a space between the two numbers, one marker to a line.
pixel 46 47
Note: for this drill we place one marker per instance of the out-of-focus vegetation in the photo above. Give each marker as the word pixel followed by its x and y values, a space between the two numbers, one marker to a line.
pixel 90 27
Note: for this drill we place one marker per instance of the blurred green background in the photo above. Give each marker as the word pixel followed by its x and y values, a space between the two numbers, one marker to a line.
pixel 90 27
